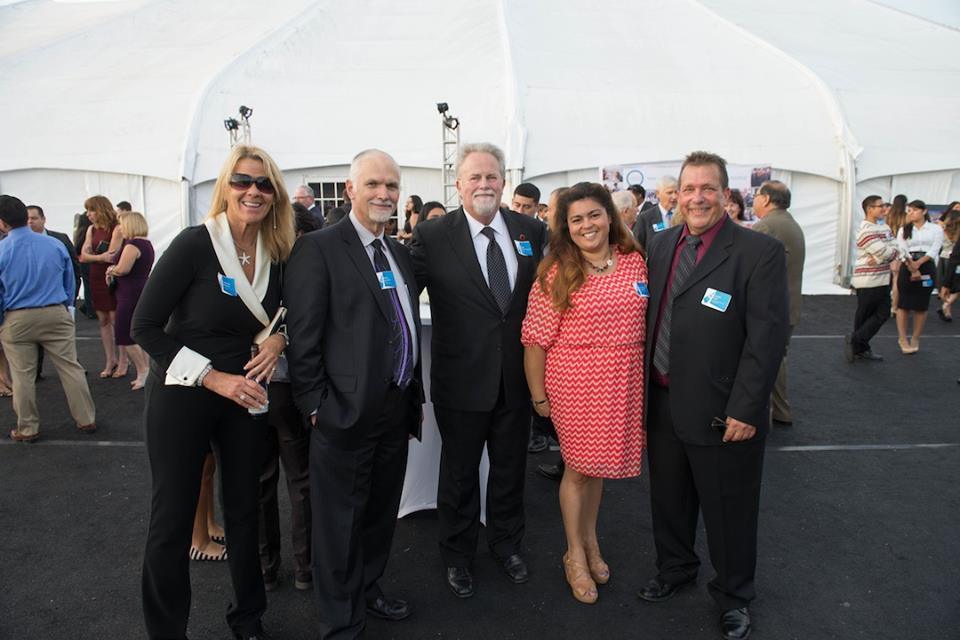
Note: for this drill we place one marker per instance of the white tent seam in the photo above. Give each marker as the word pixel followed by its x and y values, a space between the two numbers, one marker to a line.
pixel 189 142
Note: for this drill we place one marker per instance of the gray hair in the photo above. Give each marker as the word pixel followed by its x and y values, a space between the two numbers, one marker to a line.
pixel 355 163
pixel 307 188
pixel 482 147
pixel 623 199
pixel 665 182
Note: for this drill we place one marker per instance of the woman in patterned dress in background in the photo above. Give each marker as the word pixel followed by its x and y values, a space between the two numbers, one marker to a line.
pixel 584 342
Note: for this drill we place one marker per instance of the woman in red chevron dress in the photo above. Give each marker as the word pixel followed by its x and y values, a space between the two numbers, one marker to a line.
pixel 584 339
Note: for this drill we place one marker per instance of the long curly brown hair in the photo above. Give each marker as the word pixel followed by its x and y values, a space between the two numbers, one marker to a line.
pixel 571 271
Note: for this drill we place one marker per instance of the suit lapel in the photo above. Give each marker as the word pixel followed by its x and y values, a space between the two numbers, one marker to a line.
pixel 526 265
pixel 462 243
pixel 717 254
pixel 358 255
pixel 660 261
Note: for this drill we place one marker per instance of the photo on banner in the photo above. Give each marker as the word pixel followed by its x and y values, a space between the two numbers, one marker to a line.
pixel 746 179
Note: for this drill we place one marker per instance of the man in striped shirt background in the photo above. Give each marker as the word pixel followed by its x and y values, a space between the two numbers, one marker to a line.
pixel 876 251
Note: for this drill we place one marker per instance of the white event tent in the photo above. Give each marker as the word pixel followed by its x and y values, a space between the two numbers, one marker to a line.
pixel 127 98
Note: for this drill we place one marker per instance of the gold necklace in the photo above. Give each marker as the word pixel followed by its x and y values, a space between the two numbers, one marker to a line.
pixel 603 267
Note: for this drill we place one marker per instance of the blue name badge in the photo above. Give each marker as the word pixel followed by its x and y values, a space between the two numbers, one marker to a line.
pixel 659 226
pixel 641 289
pixel 524 247
pixel 957 270
pixel 227 285
pixel 926 280
pixel 387 280
pixel 717 300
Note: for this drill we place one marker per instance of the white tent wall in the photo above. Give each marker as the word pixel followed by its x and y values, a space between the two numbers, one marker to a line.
pixel 61 193
pixel 808 87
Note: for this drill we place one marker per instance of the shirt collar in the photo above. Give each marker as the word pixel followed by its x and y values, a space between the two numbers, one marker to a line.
pixel 664 212
pixel 366 236
pixel 497 224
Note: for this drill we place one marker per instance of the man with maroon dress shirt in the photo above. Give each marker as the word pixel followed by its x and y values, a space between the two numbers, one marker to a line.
pixel 721 291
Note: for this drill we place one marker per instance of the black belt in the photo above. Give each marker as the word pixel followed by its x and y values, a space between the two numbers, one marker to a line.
pixel 916 255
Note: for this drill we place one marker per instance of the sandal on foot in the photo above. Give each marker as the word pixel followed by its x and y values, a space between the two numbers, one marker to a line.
pixel 117 373
pixel 108 372
pixel 599 570
pixel 203 556
pixel 578 577
pixel 221 539
pixel 5 392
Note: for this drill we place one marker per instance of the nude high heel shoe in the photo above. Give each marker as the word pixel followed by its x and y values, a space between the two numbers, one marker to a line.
pixel 599 570
pixel 578 577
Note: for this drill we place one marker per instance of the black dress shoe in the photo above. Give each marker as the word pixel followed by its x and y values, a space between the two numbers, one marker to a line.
pixel 735 624
pixel 870 356
pixel 388 608
pixel 551 471
pixel 537 444
pixel 657 590
pixel 516 569
pixel 460 581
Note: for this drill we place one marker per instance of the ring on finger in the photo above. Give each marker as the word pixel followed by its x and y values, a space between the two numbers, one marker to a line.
pixel 243 397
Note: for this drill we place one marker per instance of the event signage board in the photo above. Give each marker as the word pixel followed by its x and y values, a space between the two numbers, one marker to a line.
pixel 743 177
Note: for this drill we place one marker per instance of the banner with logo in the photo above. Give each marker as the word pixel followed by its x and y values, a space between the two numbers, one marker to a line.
pixel 745 179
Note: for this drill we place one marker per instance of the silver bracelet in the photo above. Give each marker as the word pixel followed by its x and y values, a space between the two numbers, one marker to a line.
pixel 203 374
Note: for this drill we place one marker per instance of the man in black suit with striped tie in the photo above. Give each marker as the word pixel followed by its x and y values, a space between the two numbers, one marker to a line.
pixel 478 264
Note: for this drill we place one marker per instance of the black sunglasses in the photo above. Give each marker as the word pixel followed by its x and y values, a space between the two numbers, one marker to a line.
pixel 242 182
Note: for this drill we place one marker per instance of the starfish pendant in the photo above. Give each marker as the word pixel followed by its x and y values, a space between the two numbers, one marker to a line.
pixel 244 258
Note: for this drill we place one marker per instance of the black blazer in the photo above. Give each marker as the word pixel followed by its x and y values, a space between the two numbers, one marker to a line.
pixel 474 345
pixel 643 227
pixel 338 320
pixel 722 363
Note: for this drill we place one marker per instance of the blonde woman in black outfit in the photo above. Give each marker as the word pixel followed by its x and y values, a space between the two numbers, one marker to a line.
pixel 214 289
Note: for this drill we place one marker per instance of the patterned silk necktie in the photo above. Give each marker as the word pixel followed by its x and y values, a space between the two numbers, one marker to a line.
pixel 688 260
pixel 497 271
pixel 400 332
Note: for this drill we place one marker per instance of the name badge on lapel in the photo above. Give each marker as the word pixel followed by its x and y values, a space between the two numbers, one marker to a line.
pixel 227 285
pixel 716 300
pixel 957 270
pixel 642 290
pixel 524 247
pixel 658 227
pixel 386 280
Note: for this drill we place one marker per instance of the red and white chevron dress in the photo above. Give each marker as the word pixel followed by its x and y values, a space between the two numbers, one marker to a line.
pixel 594 369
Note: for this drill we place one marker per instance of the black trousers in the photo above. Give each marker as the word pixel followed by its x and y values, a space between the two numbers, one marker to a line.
pixel 873 309
pixel 288 442
pixel 357 473
pixel 181 422
pixel 721 481
pixel 542 426
pixel 505 431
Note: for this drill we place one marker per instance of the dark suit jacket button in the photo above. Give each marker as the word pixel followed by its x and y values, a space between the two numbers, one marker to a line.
pixel 387 380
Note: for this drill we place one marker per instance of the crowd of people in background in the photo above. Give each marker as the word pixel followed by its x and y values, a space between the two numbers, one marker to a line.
pixel 277 334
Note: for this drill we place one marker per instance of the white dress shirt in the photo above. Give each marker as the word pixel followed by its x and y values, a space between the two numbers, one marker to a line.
pixel 367 238
pixel 665 215
pixel 480 243
pixel 928 239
